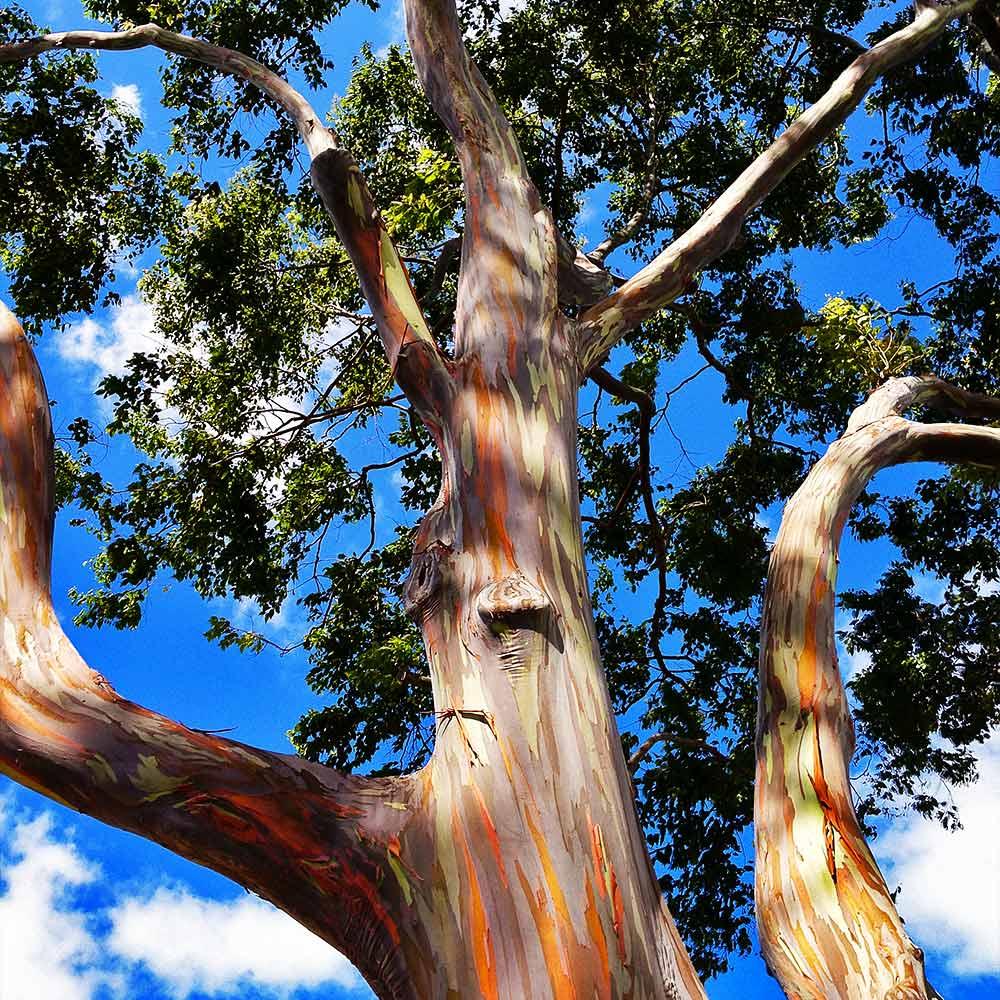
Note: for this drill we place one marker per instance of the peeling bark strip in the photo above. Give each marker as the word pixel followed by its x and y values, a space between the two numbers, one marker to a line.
pixel 670 274
pixel 828 926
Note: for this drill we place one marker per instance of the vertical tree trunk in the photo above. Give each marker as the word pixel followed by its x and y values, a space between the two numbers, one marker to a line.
pixel 525 866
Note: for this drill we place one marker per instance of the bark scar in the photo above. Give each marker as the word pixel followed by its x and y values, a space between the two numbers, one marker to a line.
pixel 476 714
pixel 514 603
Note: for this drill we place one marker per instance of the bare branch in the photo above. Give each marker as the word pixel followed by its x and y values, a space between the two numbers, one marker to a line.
pixel 650 189
pixel 294 832
pixel 408 343
pixel 815 874
pixel 582 282
pixel 647 410
pixel 646 747
pixel 508 231
pixel 670 273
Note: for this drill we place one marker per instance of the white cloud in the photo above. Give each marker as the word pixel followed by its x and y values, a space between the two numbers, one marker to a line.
pixel 47 951
pixel 106 347
pixel 128 95
pixel 951 881
pixel 216 947
pixel 55 943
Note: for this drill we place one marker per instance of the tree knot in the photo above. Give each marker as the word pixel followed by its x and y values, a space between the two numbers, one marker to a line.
pixel 424 582
pixel 513 603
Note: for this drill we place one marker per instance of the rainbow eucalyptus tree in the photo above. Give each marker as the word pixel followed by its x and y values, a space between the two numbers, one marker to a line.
pixel 423 276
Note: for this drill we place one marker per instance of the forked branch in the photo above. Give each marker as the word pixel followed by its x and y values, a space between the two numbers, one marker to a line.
pixel 673 270
pixel 408 343
pixel 828 924
pixel 296 833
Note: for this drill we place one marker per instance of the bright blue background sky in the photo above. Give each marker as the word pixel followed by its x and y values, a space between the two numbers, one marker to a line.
pixel 89 913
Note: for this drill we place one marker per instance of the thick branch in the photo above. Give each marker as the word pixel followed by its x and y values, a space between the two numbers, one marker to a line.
pixel 672 271
pixel 816 879
pixel 406 338
pixel 293 832
pixel 509 250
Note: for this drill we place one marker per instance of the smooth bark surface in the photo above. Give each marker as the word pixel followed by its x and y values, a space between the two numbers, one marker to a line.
pixel 672 272
pixel 828 924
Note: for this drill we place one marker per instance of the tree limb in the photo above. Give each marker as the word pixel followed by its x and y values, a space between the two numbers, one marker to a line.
pixel 650 189
pixel 293 832
pixel 409 346
pixel 508 231
pixel 816 879
pixel 672 271
pixel 645 748
pixel 644 403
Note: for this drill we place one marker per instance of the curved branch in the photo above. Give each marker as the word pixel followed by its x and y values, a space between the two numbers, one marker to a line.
pixel 647 410
pixel 828 925
pixel 670 273
pixel 646 747
pixel 293 832
pixel 651 187
pixel 408 343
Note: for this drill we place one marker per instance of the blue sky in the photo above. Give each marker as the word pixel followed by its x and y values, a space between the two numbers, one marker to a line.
pixel 89 913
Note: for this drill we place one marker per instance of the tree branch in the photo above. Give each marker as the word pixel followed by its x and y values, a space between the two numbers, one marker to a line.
pixel 293 832
pixel 409 346
pixel 646 407
pixel 509 233
pixel 816 878
pixel 650 189
pixel 645 748
pixel 673 270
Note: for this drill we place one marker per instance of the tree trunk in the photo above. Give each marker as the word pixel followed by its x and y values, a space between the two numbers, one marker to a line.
pixel 526 866
pixel 513 865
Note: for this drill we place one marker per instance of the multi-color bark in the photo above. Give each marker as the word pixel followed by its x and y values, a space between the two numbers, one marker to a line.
pixel 513 865
pixel 828 925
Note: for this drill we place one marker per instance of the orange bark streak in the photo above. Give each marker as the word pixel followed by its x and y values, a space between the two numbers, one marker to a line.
pixel 596 931
pixel 619 911
pixel 491 835
pixel 562 988
pixel 482 941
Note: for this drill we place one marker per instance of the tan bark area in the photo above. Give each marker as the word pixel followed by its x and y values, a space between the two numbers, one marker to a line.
pixel 828 926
